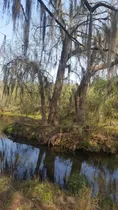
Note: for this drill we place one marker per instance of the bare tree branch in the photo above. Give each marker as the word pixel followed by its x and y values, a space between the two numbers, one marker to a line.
pixel 104 65
pixel 58 22
pixel 97 5
pixel 100 4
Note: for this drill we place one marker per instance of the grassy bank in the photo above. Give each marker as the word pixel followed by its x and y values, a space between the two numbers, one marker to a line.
pixel 67 136
pixel 35 195
pixel 98 133
pixel 15 114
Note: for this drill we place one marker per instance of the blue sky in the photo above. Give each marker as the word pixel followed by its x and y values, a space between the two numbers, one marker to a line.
pixel 5 27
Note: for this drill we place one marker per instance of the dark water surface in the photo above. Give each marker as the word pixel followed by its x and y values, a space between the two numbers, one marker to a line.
pixel 22 161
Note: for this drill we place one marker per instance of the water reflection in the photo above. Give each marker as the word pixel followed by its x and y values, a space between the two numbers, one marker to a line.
pixel 18 159
pixel 62 170
pixel 25 162
pixel 101 180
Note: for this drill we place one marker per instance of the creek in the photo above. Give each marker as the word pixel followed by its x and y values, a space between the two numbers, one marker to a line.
pixel 22 161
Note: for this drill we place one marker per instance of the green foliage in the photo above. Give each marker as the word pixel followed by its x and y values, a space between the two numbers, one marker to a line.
pixel 100 84
pixel 107 203
pixel 67 102
pixel 90 146
pixel 45 193
pixel 26 105
pixel 9 130
pixel 4 183
pixel 101 101
pixel 66 125
pixel 76 183
pixel 32 194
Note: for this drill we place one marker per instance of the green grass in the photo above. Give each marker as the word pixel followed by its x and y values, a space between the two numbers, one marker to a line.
pixel 11 114
pixel 35 195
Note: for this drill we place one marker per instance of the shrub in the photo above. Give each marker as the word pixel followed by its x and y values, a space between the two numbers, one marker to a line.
pixel 76 183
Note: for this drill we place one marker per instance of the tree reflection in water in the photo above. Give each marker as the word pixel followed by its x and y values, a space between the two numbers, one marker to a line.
pixel 22 161
pixel 62 170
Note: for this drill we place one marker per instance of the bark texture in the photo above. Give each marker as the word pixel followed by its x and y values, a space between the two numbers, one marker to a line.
pixel 55 101
pixel 80 98
pixel 42 95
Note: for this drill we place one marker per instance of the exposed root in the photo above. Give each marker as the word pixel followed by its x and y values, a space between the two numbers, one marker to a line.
pixel 55 139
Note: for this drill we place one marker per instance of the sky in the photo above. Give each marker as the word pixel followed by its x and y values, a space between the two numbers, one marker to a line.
pixel 5 27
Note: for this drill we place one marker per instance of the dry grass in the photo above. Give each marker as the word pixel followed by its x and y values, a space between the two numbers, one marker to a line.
pixel 33 195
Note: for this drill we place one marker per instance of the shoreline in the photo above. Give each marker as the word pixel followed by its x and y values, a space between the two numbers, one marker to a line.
pixel 32 132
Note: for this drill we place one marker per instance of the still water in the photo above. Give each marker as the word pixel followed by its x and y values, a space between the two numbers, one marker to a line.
pixel 21 161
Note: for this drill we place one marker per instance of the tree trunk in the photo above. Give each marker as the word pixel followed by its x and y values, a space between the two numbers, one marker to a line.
pixel 55 101
pixel 80 98
pixel 42 96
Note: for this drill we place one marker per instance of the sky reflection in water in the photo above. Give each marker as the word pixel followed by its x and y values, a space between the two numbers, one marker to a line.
pixel 22 161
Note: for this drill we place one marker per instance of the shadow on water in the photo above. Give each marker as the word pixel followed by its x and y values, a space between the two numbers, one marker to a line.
pixel 22 161
pixel 25 162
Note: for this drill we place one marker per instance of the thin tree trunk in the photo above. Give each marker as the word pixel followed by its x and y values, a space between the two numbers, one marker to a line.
pixel 55 101
pixel 42 95
pixel 80 98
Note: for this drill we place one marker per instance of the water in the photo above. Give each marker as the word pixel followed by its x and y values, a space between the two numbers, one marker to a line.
pixel 22 161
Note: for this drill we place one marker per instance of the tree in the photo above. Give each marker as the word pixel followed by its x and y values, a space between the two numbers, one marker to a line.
pixel 78 38
pixel 66 40
pixel 100 47
pixel 89 72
